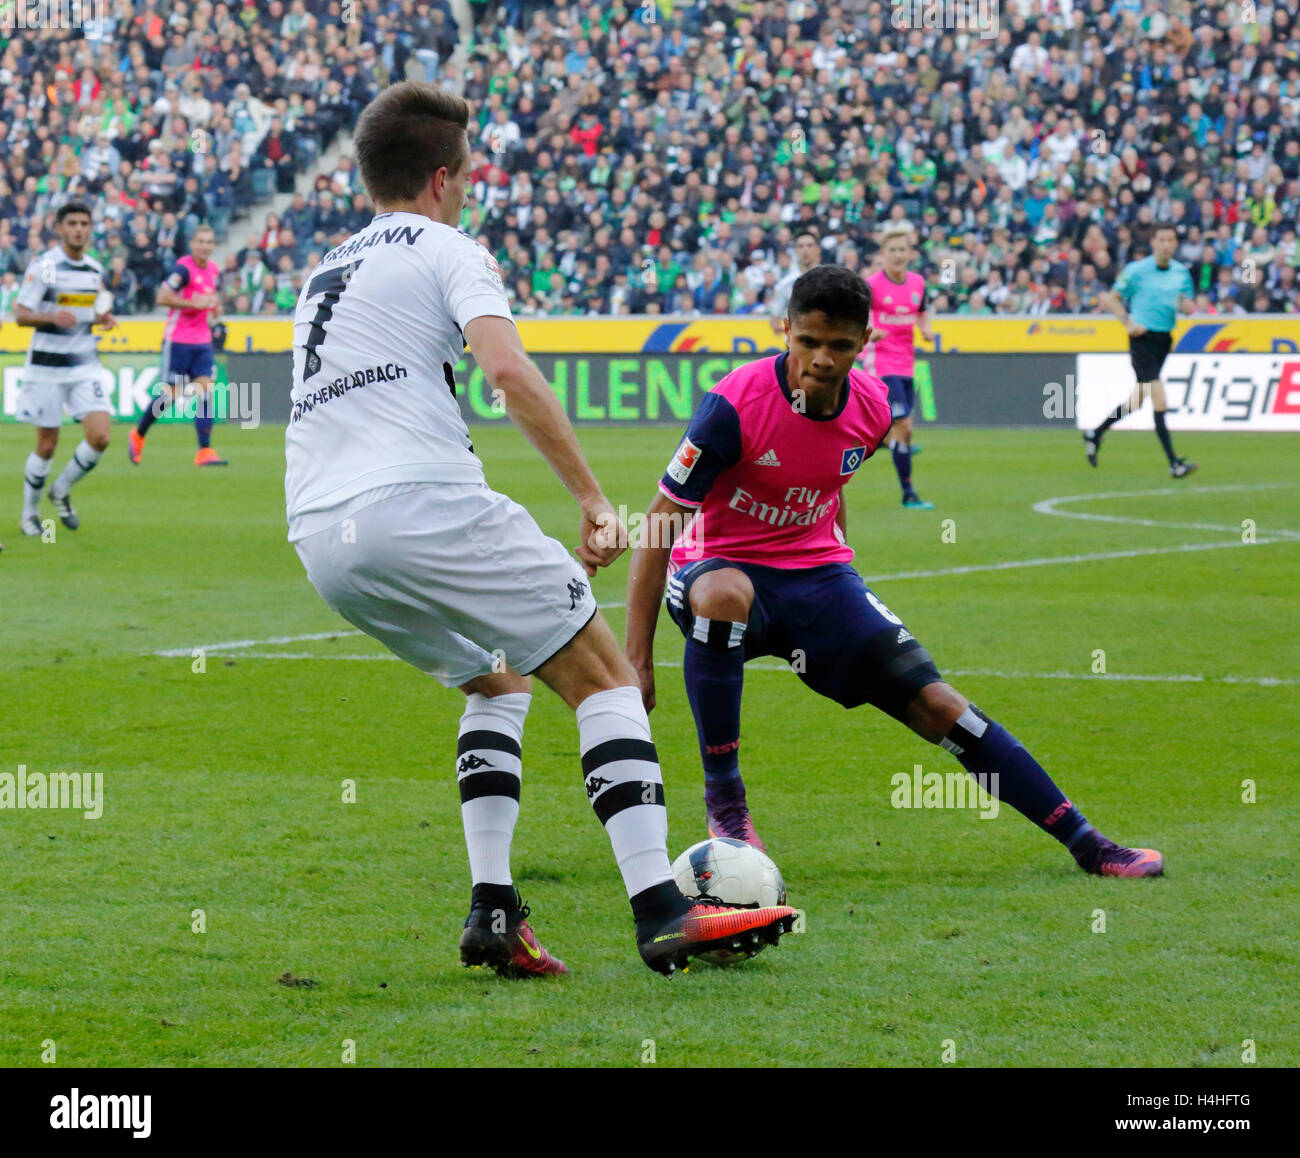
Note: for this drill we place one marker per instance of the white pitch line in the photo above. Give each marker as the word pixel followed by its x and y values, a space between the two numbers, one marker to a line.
pixel 1117 677
pixel 387 655
pixel 174 652
pixel 1049 507
pixel 1045 506
pixel 1051 560
pixel 762 665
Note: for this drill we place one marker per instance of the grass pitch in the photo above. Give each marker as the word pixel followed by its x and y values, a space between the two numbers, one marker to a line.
pixel 932 934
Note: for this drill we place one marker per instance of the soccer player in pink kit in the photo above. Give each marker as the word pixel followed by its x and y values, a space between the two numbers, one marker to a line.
pixel 190 293
pixel 763 568
pixel 898 303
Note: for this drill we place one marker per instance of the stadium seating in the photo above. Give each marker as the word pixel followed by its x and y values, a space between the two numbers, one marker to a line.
pixel 633 165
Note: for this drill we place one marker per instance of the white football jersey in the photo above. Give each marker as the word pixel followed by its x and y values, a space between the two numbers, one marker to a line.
pixel 781 293
pixel 52 282
pixel 379 325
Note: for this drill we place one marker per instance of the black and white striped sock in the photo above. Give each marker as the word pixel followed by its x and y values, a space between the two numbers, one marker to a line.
pixel 81 463
pixel 625 787
pixel 34 475
pixel 489 771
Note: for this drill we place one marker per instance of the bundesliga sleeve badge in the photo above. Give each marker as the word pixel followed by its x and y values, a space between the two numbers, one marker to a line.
pixel 683 462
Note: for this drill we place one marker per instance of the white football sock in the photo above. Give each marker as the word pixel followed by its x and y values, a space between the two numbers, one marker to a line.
pixel 489 771
pixel 79 465
pixel 33 483
pixel 624 784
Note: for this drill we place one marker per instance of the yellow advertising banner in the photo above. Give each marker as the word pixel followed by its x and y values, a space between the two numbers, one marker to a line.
pixel 753 334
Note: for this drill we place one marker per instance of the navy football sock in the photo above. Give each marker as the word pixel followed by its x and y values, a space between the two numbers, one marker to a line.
pixel 203 419
pixel 986 749
pixel 902 462
pixel 715 675
pixel 1162 433
pixel 151 414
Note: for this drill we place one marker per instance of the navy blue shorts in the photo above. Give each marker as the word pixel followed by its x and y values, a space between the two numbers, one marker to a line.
pixel 836 635
pixel 187 361
pixel 902 395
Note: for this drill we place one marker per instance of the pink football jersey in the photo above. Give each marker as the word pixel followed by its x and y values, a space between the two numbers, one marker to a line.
pixel 895 310
pixel 765 478
pixel 191 326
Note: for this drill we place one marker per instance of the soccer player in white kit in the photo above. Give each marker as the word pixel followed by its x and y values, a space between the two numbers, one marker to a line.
pixel 390 513
pixel 61 298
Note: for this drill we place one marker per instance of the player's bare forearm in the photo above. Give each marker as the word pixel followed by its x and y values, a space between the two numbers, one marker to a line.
pixel 646 576
pixel 532 406
pixel 28 317
pixel 169 299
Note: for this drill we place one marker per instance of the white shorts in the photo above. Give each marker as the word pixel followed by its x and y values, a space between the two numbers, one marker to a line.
pixel 451 577
pixel 43 403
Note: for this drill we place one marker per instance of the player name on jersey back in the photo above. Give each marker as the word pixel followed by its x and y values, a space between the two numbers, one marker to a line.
pixel 377 332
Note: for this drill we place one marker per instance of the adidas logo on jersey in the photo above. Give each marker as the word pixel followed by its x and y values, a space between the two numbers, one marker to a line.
pixel 904 635
pixel 767 459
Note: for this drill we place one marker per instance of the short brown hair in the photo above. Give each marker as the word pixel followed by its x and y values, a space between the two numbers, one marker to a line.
pixel 405 135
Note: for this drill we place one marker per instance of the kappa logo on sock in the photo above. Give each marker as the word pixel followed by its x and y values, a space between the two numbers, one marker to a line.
pixel 595 784
pixel 471 763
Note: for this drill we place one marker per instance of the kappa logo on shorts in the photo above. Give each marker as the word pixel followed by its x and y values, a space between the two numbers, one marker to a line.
pixel 852 458
pixel 577 589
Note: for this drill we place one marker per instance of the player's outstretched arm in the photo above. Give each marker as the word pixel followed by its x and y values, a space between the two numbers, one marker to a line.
pixel 532 406
pixel 168 298
pixel 1114 301
pixel 64 319
pixel 645 586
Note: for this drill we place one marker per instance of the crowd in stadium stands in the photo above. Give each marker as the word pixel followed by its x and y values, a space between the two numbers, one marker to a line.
pixel 648 156
pixel 168 113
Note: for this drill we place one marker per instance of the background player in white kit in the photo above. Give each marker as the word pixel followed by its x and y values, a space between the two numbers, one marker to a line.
pixel 62 296
pixel 399 532
pixel 807 255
